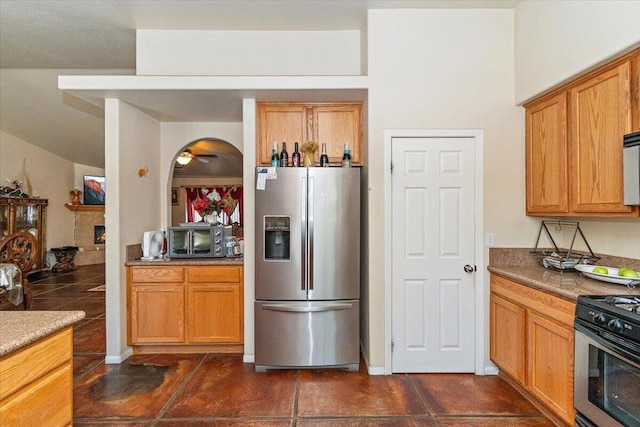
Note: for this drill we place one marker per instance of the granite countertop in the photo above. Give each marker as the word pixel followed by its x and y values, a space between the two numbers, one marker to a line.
pixel 519 265
pixel 185 262
pixel 21 328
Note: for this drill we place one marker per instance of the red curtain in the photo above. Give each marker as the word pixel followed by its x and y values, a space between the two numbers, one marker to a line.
pixel 226 217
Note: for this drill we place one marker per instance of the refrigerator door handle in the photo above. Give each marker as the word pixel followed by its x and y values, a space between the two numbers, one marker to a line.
pixel 310 225
pixel 303 234
pixel 306 309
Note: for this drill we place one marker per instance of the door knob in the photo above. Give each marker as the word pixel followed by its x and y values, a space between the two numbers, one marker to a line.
pixel 468 268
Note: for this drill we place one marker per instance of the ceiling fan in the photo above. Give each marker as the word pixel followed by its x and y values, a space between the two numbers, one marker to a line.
pixel 186 156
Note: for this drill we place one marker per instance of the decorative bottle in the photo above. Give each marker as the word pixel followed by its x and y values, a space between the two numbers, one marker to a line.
pixel 346 157
pixel 284 156
pixel 324 159
pixel 275 160
pixel 295 157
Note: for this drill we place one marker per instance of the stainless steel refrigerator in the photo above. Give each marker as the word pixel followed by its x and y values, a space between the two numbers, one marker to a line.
pixel 307 268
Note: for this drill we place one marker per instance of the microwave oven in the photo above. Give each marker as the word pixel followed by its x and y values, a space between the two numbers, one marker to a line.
pixel 631 168
pixel 195 242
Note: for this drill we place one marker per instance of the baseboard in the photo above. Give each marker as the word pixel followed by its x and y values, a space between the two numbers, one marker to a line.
pixel 248 358
pixel 371 370
pixel 116 360
pixel 491 370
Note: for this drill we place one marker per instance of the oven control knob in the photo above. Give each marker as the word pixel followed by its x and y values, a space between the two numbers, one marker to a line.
pixel 615 325
pixel 600 319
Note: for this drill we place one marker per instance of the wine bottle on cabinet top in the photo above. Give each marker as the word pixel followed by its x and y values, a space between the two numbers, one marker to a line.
pixel 275 160
pixel 324 159
pixel 346 157
pixel 284 156
pixel 295 157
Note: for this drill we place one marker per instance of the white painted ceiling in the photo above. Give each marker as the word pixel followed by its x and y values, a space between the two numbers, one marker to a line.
pixel 42 39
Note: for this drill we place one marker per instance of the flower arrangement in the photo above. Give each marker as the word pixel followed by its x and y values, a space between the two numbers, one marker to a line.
pixel 309 147
pixel 308 150
pixel 210 203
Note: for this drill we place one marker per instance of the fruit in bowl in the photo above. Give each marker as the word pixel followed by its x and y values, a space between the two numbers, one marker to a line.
pixel 628 272
pixel 600 270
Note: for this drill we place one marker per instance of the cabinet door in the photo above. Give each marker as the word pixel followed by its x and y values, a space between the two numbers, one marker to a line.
pixel 214 312
pixel 550 364
pixel 508 337
pixel 546 156
pixel 335 124
pixel 600 116
pixel 281 123
pixel 157 313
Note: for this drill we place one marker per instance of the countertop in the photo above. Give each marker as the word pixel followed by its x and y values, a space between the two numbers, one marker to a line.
pixel 185 262
pixel 521 266
pixel 565 284
pixel 21 328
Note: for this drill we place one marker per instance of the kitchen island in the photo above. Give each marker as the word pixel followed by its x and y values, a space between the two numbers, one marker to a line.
pixel 185 305
pixel 36 371
pixel 531 325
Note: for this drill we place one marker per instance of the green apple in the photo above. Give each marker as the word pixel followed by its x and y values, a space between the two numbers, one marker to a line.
pixel 600 270
pixel 627 272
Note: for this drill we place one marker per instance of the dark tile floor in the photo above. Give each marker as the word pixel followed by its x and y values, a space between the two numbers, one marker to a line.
pixel 220 390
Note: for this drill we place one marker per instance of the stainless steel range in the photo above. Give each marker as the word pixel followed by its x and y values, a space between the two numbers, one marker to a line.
pixel 607 361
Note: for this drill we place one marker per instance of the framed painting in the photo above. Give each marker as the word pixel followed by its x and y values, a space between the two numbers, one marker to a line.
pixel 94 189
pixel 174 196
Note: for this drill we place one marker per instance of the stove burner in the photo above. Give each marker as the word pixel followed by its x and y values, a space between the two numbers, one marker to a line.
pixel 631 304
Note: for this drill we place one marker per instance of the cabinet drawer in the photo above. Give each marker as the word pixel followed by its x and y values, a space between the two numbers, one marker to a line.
pixel 46 402
pixel 554 307
pixel 32 362
pixel 157 275
pixel 217 274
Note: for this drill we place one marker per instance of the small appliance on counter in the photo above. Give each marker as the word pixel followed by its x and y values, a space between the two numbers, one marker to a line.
pixel 152 243
pixel 199 240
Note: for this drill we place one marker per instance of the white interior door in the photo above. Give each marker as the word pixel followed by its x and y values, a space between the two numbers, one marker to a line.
pixel 432 242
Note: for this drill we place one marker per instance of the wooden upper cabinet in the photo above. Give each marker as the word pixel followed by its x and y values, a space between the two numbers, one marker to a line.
pixel 281 123
pixel 546 156
pixel 336 124
pixel 601 109
pixel 331 124
pixel 574 143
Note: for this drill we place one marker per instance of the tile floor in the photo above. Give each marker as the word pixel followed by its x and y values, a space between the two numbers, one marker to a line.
pixel 220 390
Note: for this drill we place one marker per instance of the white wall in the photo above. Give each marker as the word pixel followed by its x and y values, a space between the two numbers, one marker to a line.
pixel 444 69
pixel 555 40
pixel 286 53
pixel 133 205
pixel 52 178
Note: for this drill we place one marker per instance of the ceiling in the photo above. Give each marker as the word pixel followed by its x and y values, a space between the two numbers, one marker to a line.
pixel 42 39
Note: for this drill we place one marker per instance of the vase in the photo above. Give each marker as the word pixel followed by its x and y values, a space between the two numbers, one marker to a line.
pixel 307 160
pixel 211 218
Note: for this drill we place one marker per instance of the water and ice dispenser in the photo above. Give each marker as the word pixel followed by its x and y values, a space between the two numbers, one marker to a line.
pixel 277 238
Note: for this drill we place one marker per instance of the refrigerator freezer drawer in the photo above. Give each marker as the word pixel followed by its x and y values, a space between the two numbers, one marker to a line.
pixel 307 334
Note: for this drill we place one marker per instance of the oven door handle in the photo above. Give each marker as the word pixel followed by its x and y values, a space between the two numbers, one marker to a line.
pixel 622 351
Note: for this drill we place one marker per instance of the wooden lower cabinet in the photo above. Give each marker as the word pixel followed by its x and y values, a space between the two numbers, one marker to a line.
pixel 185 305
pixel 507 330
pixel 532 342
pixel 214 304
pixel 550 364
pixel 36 386
pixel 157 313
